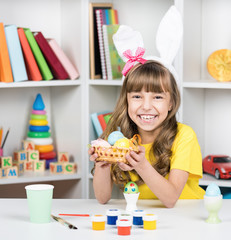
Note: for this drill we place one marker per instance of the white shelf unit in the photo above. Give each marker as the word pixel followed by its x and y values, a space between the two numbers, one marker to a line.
pixel 62 20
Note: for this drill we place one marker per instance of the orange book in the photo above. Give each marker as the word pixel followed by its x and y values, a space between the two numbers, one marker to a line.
pixel 31 65
pixel 5 67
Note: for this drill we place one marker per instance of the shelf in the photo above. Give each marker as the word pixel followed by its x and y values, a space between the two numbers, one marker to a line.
pixel 31 177
pixel 40 83
pixel 207 179
pixel 117 82
pixel 208 84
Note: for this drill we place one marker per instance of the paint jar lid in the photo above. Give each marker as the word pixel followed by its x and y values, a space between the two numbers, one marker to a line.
pixel 127 216
pixel 98 218
pixel 138 213
pixel 150 217
pixel 123 223
pixel 113 212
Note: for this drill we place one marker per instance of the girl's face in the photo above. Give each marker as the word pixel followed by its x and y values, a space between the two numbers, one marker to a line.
pixel 148 109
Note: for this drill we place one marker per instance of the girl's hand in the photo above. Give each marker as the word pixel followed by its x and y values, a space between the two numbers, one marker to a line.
pixel 136 160
pixel 93 157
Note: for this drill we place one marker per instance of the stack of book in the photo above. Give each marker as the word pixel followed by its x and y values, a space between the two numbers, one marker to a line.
pixel 100 120
pixel 26 55
pixel 107 25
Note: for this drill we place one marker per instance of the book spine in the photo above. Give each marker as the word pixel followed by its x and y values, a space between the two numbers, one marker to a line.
pixel 107 52
pixel 5 68
pixel 99 23
pixel 15 53
pixel 96 124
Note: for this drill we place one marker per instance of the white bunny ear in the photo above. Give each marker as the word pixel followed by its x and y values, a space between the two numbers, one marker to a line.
pixel 169 35
pixel 126 38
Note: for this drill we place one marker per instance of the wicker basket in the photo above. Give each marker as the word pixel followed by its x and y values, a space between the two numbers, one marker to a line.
pixel 112 154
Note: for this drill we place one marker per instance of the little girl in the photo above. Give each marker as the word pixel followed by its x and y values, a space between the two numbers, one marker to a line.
pixel 169 163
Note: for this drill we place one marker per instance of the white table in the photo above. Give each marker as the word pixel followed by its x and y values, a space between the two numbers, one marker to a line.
pixel 185 221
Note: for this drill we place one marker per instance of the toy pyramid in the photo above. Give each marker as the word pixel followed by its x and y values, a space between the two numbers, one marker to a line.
pixel 39 132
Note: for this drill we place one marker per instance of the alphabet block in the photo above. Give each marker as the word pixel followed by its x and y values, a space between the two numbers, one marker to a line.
pixel 6 162
pixel 28 145
pixel 12 172
pixel 69 168
pixel 20 156
pixel 33 155
pixel 63 157
pixel 20 166
pixel 28 166
pixel 39 166
pixel 56 168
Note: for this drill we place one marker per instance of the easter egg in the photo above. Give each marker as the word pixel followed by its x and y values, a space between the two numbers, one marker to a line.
pixel 131 187
pixel 114 136
pixel 123 143
pixel 213 190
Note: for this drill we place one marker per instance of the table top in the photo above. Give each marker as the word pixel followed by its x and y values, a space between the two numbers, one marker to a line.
pixel 185 221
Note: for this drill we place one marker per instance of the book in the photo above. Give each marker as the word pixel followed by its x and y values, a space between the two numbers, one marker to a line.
pixel 96 123
pixel 113 61
pixel 15 53
pixel 101 118
pixel 5 67
pixel 30 62
pixel 107 118
pixel 55 65
pixel 42 64
pixel 71 70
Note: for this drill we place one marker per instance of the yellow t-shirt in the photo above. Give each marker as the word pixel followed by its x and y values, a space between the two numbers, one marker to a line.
pixel 186 156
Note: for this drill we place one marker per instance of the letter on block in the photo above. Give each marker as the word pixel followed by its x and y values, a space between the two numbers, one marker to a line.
pixel 20 156
pixel 33 155
pixel 69 168
pixel 39 166
pixel 20 166
pixel 3 172
pixel 12 172
pixel 63 157
pixel 28 166
pixel 56 168
pixel 28 145
pixel 6 162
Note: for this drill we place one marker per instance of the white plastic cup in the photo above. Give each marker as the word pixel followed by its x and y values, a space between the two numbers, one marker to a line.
pixel 39 197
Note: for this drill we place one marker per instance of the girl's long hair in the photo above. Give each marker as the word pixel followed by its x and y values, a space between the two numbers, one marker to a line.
pixel 152 77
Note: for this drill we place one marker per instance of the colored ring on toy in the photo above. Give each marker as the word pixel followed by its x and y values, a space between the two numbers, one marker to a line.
pixel 41 141
pixel 38 122
pixel 38 117
pixel 44 148
pixel 39 134
pixel 48 161
pixel 47 155
pixel 39 112
pixel 39 128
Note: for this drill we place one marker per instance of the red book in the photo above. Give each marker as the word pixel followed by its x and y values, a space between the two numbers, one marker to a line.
pixel 30 62
pixel 53 62
pixel 102 120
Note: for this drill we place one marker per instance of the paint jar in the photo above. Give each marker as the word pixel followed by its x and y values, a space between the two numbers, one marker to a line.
pixel 126 216
pixel 138 217
pixel 98 222
pixel 124 227
pixel 112 216
pixel 149 221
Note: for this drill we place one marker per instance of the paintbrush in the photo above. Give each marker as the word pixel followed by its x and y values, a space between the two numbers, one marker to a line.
pixel 63 222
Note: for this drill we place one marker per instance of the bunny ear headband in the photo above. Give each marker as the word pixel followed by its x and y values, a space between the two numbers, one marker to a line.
pixel 130 46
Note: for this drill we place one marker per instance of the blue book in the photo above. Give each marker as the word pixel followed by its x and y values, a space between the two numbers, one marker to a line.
pixel 107 15
pixel 96 123
pixel 15 53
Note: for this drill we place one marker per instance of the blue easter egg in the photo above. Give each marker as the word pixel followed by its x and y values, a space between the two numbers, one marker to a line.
pixel 213 190
pixel 114 136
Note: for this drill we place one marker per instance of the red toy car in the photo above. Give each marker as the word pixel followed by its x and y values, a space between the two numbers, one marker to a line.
pixel 217 165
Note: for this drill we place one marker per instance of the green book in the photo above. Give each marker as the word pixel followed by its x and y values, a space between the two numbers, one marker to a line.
pixel 107 117
pixel 42 64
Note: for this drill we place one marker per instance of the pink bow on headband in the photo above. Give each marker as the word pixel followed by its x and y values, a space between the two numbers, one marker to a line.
pixel 132 59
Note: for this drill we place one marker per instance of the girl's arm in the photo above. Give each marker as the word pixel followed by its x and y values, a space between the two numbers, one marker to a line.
pixel 168 191
pixel 102 182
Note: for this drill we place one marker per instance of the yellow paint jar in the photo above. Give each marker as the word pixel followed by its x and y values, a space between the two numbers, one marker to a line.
pixel 98 222
pixel 149 221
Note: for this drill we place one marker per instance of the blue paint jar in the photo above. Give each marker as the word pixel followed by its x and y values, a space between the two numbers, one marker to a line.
pixel 138 217
pixel 112 216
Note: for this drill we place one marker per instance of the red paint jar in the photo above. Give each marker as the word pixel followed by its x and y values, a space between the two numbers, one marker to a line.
pixel 124 227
